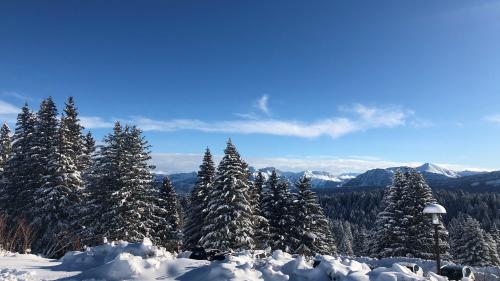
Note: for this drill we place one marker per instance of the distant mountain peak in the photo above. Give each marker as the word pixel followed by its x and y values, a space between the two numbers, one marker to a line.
pixel 435 169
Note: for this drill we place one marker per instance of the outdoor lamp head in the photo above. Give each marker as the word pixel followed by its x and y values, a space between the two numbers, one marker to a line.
pixel 434 210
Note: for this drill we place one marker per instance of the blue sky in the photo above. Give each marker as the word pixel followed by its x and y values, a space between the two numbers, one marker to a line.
pixel 331 85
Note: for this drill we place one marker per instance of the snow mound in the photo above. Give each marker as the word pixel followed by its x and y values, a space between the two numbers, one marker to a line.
pixel 143 261
pixel 8 274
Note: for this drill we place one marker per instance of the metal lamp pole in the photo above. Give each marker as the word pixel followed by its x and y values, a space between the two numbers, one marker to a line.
pixel 435 210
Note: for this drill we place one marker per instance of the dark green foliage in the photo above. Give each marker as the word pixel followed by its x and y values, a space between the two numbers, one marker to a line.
pixel 5 146
pixel 311 228
pixel 198 202
pixel 470 244
pixel 228 224
pixel 278 207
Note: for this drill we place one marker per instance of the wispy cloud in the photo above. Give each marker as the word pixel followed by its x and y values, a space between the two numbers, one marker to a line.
pixel 17 95
pixel 495 118
pixel 93 122
pixel 8 112
pixel 359 118
pixel 262 104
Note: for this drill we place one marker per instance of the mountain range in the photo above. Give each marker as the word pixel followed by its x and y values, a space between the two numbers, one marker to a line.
pixel 435 175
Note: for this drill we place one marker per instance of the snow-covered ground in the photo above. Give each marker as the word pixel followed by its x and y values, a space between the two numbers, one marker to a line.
pixel 143 261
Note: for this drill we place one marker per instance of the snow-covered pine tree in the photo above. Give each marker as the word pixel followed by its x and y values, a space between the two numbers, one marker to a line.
pixel 46 141
pixel 57 199
pixel 74 136
pixel 420 230
pixel 469 244
pixel 360 240
pixel 345 245
pixel 312 228
pixel 88 151
pixel 261 223
pixel 171 207
pixel 198 201
pixel 18 177
pixel 390 228
pixel 228 225
pixel 5 146
pixel 131 204
pixel 492 249
pixel 103 186
pixel 278 210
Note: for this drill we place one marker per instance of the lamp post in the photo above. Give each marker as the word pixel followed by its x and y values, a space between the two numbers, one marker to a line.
pixel 435 210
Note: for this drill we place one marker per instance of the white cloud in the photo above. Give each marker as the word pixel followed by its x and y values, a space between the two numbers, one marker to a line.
pixel 262 104
pixel 364 118
pixel 495 118
pixel 8 112
pixel 17 96
pixel 7 108
pixel 93 122
pixel 359 118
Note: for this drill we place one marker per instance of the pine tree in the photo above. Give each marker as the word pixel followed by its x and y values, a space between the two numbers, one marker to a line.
pixel 420 230
pixel 313 231
pixel 228 225
pixel 165 222
pixel 198 202
pixel 120 188
pixel 88 151
pixel 345 245
pixel 174 219
pixel 18 182
pixel 73 134
pixel 57 198
pixel 388 231
pixel 104 182
pixel 401 228
pixel 278 210
pixel 469 244
pixel 5 146
pixel 360 241
pixel 261 223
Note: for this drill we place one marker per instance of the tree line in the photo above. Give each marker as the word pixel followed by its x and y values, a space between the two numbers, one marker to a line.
pixel 60 191
pixel 471 220
pixel 68 193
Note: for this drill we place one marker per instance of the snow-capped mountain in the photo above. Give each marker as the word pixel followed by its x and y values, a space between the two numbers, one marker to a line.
pixel 434 174
pixel 383 177
pixel 184 182
pixel 318 179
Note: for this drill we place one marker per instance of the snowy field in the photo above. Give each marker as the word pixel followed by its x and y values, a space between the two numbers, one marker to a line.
pixel 143 261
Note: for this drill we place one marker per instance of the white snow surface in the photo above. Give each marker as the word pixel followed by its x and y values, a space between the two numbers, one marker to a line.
pixel 143 261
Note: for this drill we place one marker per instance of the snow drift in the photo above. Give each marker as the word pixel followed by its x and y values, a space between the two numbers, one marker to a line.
pixel 144 261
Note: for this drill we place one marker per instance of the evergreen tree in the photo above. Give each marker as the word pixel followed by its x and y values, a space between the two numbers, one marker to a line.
pixel 120 189
pixel 73 134
pixel 313 231
pixel 469 244
pixel 228 225
pixel 387 238
pixel 360 241
pixel 166 217
pixel 419 225
pixel 5 146
pixel 345 245
pixel 57 198
pixel 261 223
pixel 88 151
pixel 103 182
pixel 402 229
pixel 278 210
pixel 198 202
pixel 18 182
